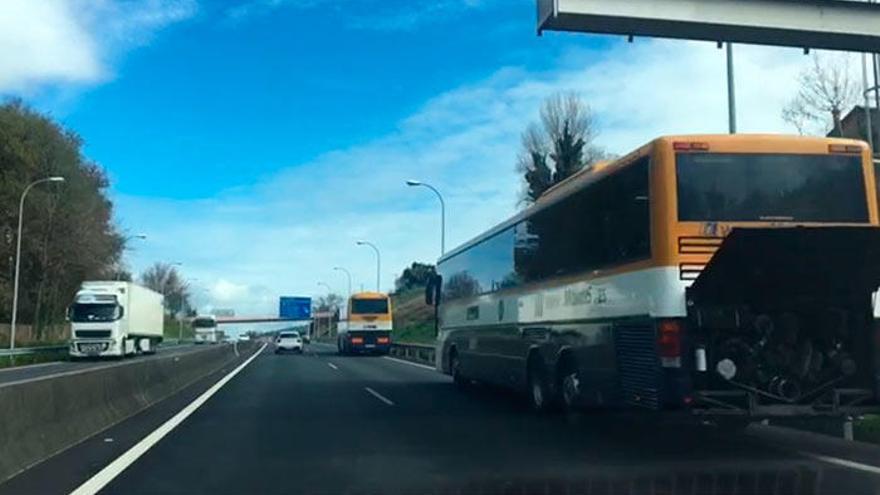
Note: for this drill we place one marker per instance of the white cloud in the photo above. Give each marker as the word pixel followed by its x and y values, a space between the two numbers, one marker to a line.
pixel 52 42
pixel 284 235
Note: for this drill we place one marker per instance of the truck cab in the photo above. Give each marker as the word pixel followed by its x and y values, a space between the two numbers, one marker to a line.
pixel 114 319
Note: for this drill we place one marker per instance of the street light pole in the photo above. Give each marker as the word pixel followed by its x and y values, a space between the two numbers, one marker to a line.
pixel 180 316
pixel 329 291
pixel 18 255
pixel 378 262
pixel 416 183
pixel 125 240
pixel 348 274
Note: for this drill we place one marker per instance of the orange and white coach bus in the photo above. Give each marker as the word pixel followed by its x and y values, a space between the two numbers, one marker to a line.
pixel 720 275
pixel 369 325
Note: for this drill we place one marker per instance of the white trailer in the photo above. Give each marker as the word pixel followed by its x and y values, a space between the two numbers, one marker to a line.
pixel 114 318
pixel 205 329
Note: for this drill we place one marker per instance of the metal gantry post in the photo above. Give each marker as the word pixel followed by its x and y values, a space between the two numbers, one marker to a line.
pixel 731 91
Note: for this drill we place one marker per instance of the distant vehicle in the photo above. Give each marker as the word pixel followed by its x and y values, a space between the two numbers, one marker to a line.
pixel 369 325
pixel 205 329
pixel 288 342
pixel 244 338
pixel 723 276
pixel 111 318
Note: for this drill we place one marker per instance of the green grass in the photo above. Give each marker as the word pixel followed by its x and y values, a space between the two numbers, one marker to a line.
pixel 171 332
pixel 413 319
pixel 43 357
pixel 867 429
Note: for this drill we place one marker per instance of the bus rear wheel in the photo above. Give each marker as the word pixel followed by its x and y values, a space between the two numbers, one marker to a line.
pixel 455 371
pixel 540 394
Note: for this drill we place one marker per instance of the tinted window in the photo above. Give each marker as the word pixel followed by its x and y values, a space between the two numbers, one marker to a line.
pixel 93 312
pixel 605 224
pixel 289 335
pixel 204 323
pixel 369 306
pixel 752 187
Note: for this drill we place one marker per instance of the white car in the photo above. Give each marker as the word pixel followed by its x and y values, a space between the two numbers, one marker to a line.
pixel 288 342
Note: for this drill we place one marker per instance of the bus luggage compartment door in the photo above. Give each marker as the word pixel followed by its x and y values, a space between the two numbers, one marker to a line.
pixel 785 321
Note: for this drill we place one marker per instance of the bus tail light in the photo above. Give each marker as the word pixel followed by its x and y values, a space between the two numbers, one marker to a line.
pixel 669 343
pixel 690 146
pixel 383 340
pixel 844 148
pixel 357 340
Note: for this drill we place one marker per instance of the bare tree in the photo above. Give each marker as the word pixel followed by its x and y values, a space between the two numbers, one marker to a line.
pixel 165 279
pixel 558 147
pixel 330 302
pixel 827 89
pixel 532 163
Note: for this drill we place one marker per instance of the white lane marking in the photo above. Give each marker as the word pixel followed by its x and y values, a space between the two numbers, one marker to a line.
pixel 379 396
pixel 417 365
pixel 845 463
pixel 333 366
pixel 115 468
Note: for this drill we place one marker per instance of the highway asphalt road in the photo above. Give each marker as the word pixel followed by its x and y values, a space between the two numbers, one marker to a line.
pixel 10 375
pixel 320 423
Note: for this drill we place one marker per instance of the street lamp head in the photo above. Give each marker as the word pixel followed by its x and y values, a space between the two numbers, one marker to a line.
pixel 361 243
pixel 56 179
pixel 413 182
pixel 140 236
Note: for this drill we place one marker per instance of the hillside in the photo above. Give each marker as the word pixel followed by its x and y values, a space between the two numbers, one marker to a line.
pixel 413 319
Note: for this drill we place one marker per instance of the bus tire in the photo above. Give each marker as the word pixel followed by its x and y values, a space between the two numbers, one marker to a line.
pixel 540 393
pixel 455 370
pixel 567 383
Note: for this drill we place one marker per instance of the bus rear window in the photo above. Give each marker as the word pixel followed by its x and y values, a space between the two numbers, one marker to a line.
pixel 204 323
pixel 771 187
pixel 369 306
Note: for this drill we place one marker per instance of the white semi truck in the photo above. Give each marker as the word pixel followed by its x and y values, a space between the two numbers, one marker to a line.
pixel 110 318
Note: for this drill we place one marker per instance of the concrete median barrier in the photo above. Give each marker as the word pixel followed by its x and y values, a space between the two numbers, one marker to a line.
pixel 43 416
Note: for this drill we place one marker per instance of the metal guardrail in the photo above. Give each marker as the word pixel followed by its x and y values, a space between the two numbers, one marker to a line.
pixel 48 349
pixel 417 353
pixel 27 351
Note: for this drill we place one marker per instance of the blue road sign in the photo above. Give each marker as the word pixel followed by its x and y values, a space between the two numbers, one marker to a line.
pixel 295 308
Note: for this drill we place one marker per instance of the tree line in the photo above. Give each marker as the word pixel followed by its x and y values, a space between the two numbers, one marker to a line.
pixel 68 234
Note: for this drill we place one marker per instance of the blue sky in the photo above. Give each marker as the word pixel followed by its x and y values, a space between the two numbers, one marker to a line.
pixel 256 140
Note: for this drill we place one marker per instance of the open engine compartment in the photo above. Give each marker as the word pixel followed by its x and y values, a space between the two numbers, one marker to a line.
pixel 781 322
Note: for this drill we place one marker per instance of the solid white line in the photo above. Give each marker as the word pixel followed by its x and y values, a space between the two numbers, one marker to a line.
pixel 417 365
pixel 332 366
pixel 845 463
pixel 379 396
pixel 115 468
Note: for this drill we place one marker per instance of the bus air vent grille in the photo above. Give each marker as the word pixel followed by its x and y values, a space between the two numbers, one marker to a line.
pixel 637 365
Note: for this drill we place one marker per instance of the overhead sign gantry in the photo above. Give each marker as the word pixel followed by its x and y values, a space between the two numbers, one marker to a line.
pixel 830 24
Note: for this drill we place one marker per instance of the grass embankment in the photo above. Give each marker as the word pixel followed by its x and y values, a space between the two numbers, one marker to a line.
pixel 413 319
pixel 867 429
pixel 171 330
